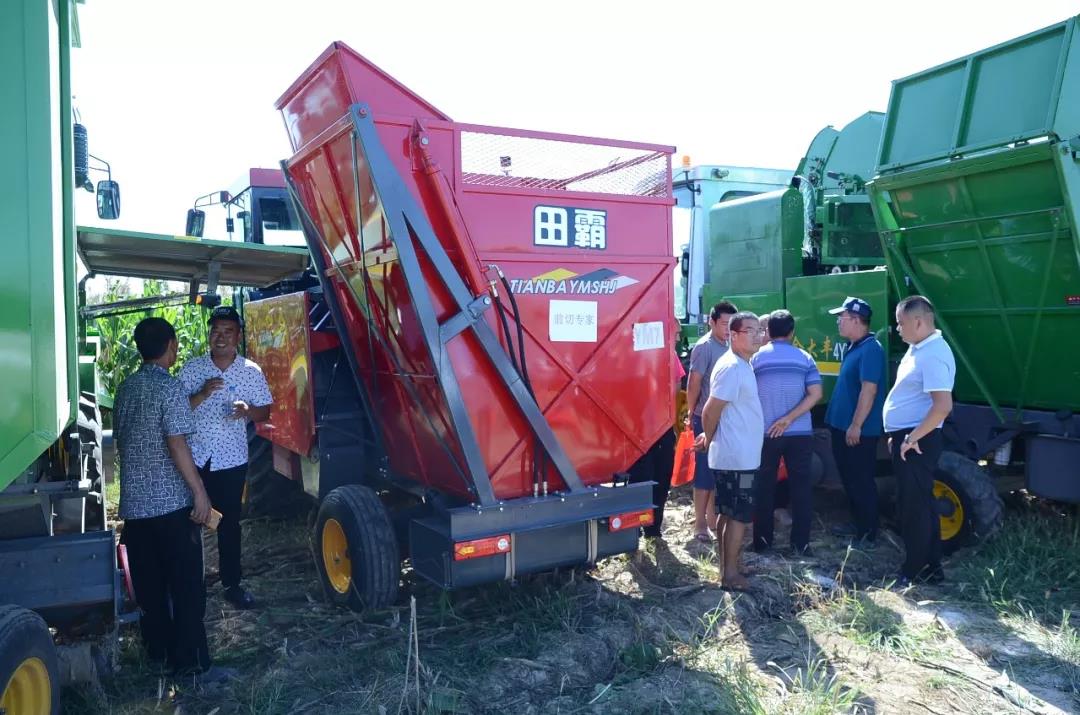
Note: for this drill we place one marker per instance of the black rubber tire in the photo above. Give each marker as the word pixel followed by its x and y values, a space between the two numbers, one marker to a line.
pixel 984 511
pixel 24 635
pixel 89 424
pixel 375 566
pixel 268 493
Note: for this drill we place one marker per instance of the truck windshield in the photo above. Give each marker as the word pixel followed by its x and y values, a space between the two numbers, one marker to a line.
pixel 280 226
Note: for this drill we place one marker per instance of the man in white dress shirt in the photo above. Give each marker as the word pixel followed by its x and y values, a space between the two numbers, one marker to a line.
pixel 225 391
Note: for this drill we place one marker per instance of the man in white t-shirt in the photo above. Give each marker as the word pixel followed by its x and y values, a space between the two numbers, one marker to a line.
pixel 735 453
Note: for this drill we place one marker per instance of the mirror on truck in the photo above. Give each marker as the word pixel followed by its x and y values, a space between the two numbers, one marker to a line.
pixel 196 219
pixel 108 199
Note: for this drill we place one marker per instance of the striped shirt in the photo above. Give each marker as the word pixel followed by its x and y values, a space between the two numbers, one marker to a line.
pixel 783 373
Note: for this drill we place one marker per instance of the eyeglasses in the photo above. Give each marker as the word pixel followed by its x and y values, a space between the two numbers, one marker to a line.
pixel 753 331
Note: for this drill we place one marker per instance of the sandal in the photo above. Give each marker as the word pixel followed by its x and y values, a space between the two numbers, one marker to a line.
pixel 704 537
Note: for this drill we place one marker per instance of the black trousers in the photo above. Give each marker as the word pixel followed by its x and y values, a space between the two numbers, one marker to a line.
pixel 225 487
pixel 655 466
pixel 166 560
pixel 920 525
pixel 797 452
pixel 858 468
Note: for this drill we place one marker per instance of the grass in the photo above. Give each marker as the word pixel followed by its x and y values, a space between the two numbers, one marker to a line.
pixel 815 690
pixel 862 617
pixel 649 633
pixel 1031 569
pixel 1064 646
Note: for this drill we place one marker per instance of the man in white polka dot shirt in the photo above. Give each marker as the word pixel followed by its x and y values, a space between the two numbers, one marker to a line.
pixel 226 390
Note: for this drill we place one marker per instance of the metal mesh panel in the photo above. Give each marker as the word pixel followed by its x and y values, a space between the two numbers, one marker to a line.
pixel 555 165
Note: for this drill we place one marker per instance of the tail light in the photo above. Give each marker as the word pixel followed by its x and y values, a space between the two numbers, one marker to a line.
pixel 630 520
pixel 478 548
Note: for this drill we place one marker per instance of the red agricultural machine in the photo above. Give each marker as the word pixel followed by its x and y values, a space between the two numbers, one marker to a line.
pixel 489 346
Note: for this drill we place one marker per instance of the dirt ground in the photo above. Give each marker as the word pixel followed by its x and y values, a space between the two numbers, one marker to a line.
pixel 650 633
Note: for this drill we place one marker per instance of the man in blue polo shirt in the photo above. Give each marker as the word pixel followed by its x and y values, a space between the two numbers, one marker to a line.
pixel 789 385
pixel 854 418
pixel 914 411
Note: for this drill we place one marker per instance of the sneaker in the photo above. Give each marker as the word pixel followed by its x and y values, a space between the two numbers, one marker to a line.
pixel 844 530
pixel 239 597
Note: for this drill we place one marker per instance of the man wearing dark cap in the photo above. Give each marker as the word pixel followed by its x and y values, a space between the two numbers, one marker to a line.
pixel 163 504
pixel 854 418
pixel 226 390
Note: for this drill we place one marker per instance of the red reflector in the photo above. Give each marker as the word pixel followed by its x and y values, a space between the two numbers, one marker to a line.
pixel 630 520
pixel 482 547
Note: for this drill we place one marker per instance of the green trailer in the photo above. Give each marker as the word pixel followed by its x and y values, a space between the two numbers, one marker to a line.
pixel 977 198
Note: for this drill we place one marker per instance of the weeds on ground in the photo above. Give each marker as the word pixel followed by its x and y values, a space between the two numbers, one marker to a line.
pixel 1065 647
pixel 814 690
pixel 1031 569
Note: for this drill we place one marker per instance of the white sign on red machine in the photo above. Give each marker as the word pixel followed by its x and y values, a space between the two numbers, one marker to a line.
pixel 572 321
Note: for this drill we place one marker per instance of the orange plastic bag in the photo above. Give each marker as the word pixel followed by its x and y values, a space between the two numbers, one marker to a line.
pixel 683 473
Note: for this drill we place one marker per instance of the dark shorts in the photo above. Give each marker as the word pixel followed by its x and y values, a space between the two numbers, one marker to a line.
pixel 735 494
pixel 703 476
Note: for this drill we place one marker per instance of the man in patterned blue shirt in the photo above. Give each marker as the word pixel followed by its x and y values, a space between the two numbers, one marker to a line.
pixel 163 504
pixel 225 390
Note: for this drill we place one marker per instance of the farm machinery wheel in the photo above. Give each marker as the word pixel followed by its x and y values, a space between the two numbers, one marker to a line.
pixel 356 551
pixel 29 676
pixel 969 506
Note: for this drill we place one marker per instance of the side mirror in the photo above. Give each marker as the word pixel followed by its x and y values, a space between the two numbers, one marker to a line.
pixel 196 219
pixel 108 199
pixel 684 263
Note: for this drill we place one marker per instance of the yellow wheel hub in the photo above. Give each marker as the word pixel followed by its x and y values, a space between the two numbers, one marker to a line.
pixel 29 691
pixel 950 525
pixel 335 555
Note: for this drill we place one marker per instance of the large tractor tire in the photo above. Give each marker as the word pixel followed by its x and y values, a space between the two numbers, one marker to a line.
pixel 355 549
pixel 89 424
pixel 268 493
pixel 29 676
pixel 969 505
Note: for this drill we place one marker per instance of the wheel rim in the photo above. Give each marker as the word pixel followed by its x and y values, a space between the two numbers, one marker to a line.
pixel 335 555
pixel 952 524
pixel 29 689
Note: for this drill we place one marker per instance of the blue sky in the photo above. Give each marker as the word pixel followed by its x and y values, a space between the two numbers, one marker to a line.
pixel 178 96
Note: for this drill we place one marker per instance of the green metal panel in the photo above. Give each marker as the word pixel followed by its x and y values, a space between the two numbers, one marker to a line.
pixel 809 298
pixel 754 244
pixel 992 241
pixel 848 233
pixel 1022 89
pixel 37 357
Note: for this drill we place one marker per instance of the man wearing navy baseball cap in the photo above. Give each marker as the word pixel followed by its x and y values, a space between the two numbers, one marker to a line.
pixel 854 418
pixel 225 390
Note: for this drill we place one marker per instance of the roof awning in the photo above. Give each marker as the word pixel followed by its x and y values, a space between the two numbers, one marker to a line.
pixel 184 258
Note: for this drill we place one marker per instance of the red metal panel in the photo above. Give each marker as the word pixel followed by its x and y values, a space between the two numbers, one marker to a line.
pixel 606 401
pixel 323 93
pixel 277 330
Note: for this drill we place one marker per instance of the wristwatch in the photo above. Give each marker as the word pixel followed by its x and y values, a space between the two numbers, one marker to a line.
pixel 908 439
